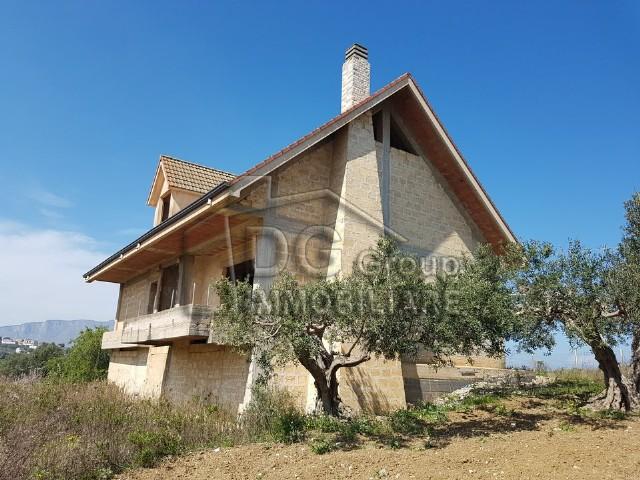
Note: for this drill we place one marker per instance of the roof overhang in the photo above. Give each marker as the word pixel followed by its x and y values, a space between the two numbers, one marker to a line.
pixel 156 186
pixel 411 106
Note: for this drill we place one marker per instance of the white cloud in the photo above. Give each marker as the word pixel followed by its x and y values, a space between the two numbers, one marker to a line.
pixel 48 199
pixel 41 276
pixel 51 214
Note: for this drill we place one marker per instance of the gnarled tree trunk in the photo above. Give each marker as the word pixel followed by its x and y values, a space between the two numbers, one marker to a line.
pixel 635 360
pixel 324 370
pixel 619 392
pixel 328 401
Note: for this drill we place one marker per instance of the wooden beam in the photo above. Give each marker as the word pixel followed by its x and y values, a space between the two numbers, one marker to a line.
pixel 386 165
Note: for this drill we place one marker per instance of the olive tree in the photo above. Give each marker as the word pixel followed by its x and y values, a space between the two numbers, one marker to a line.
pixel 572 291
pixel 626 281
pixel 385 308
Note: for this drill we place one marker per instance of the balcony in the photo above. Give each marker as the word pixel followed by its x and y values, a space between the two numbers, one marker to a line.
pixel 112 341
pixel 187 321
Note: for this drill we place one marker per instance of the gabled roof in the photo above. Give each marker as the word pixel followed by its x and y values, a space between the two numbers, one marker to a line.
pixel 187 176
pixel 432 140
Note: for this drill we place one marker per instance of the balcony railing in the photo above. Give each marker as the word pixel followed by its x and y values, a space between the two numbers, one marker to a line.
pixel 187 321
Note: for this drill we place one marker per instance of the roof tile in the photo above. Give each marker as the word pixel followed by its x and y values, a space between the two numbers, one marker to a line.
pixel 193 177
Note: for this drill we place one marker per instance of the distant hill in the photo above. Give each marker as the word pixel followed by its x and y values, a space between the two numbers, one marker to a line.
pixel 54 331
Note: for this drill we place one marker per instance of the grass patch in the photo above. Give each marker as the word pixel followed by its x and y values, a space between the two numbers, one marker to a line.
pixel 322 445
pixel 92 431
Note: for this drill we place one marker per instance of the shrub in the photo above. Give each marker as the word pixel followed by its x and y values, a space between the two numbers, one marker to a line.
pixel 324 423
pixel 322 445
pixel 288 427
pixel 59 430
pixel 405 422
pixel 85 361
pixel 36 362
pixel 273 415
pixel 432 413
pixel 152 446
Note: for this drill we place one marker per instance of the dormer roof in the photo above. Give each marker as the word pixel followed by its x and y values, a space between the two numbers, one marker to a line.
pixel 185 175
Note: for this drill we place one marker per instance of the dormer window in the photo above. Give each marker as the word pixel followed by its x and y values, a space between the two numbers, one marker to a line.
pixel 177 184
pixel 166 205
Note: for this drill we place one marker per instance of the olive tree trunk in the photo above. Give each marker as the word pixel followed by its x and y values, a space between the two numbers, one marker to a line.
pixel 324 370
pixel 619 392
pixel 327 400
pixel 635 360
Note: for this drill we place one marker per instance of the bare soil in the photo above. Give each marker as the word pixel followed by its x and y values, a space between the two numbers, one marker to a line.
pixel 538 440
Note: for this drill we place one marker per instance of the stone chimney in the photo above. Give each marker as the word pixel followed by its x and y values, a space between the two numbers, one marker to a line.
pixel 356 76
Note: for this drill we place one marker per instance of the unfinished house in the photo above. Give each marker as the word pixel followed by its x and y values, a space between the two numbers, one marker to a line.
pixel 384 164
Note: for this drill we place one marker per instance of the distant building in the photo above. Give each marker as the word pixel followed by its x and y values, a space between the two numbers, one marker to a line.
pixel 8 341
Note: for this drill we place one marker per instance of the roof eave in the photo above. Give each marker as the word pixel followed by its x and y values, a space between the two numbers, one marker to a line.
pixel 471 177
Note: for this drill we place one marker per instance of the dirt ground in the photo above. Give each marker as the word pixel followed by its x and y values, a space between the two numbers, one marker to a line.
pixel 538 441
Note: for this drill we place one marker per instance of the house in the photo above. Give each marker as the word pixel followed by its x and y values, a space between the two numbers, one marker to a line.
pixel 384 164
pixel 8 341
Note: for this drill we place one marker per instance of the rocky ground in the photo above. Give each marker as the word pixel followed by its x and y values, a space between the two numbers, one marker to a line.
pixel 524 438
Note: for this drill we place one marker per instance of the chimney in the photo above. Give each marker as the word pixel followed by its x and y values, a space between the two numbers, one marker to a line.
pixel 356 76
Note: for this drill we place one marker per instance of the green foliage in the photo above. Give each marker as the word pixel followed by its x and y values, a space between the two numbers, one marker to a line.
pixel 406 422
pixel 152 446
pixel 325 423
pixel 288 427
pixel 612 414
pixel 385 308
pixel 321 445
pixel 33 362
pixel 432 413
pixel 272 415
pixel 567 290
pixel 93 430
pixel 85 361
pixel 568 389
pixel 478 400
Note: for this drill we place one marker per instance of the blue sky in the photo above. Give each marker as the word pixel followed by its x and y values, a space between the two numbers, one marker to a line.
pixel 541 97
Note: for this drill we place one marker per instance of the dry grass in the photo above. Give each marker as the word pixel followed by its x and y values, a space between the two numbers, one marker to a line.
pixel 91 431
pixel 51 431
pixel 578 374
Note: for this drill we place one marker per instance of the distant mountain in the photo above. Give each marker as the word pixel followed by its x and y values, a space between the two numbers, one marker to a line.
pixel 54 331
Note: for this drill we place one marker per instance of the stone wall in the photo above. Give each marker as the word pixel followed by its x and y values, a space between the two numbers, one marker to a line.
pixel 424 211
pixel 207 372
pixel 128 370
pixel 135 296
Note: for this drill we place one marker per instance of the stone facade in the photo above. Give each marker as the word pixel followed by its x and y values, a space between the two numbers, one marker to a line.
pixel 323 209
pixel 336 185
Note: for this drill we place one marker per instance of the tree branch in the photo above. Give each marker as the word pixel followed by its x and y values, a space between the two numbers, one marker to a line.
pixel 342 361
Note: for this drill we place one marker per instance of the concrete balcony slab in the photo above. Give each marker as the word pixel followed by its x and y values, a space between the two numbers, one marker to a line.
pixel 113 341
pixel 187 321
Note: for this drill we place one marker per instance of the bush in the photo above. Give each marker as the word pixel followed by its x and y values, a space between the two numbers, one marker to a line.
pixel 152 446
pixel 405 422
pixel 36 362
pixel 273 415
pixel 85 361
pixel 322 445
pixel 59 430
